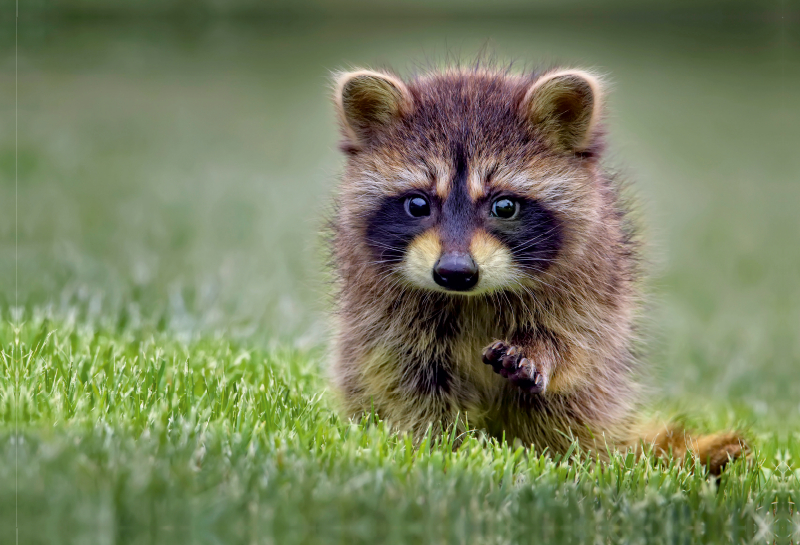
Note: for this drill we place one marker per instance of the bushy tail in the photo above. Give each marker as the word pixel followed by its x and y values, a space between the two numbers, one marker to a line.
pixel 714 451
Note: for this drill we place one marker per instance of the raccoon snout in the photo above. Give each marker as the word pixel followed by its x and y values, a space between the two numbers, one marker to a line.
pixel 456 271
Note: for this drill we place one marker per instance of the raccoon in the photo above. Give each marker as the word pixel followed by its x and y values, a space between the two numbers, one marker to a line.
pixel 486 272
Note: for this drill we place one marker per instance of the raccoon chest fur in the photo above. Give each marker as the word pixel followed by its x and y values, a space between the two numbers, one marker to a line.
pixel 423 362
pixel 422 368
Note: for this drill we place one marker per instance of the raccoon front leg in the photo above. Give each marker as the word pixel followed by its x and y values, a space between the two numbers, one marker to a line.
pixel 527 362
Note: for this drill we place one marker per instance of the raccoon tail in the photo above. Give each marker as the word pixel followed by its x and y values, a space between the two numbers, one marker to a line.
pixel 714 451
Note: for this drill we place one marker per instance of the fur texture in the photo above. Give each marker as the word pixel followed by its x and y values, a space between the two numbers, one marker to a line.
pixel 539 348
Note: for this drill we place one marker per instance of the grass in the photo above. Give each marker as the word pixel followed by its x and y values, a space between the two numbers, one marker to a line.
pixel 130 436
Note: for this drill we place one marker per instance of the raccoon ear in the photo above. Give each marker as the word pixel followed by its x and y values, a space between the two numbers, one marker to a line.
pixel 367 101
pixel 563 107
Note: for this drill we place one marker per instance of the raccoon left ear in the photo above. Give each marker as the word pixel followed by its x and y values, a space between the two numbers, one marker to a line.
pixel 367 101
pixel 563 107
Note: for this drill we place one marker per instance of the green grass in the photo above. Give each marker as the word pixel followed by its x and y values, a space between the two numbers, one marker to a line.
pixel 129 436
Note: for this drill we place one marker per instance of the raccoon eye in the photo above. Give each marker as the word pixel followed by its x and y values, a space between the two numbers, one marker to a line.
pixel 418 207
pixel 505 208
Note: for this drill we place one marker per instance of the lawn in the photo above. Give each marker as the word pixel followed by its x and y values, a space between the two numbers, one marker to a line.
pixel 128 436
pixel 163 333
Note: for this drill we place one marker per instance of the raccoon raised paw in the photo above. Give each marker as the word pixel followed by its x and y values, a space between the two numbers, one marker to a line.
pixel 508 362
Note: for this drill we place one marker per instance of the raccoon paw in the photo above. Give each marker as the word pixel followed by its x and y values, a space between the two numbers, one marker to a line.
pixel 508 361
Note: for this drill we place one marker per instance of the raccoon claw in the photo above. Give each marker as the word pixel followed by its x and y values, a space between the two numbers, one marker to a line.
pixel 507 361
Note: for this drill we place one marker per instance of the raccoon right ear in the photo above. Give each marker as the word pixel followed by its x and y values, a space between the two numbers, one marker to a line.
pixel 367 101
pixel 563 108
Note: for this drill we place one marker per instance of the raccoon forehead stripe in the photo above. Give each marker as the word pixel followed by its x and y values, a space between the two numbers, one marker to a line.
pixel 475 185
pixel 393 180
pixel 438 174
pixel 447 174
pixel 442 186
pixel 481 174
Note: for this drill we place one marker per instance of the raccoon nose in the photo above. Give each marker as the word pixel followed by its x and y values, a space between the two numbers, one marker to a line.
pixel 456 272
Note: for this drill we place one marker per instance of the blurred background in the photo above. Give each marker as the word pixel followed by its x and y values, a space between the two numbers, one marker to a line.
pixel 175 160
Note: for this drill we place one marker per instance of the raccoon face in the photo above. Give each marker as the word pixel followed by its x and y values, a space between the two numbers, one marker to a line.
pixel 454 242
pixel 464 183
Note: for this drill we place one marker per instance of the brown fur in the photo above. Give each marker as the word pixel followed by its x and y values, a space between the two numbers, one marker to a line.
pixel 412 351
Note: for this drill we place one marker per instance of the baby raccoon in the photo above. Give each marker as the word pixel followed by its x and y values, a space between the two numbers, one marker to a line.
pixel 486 272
